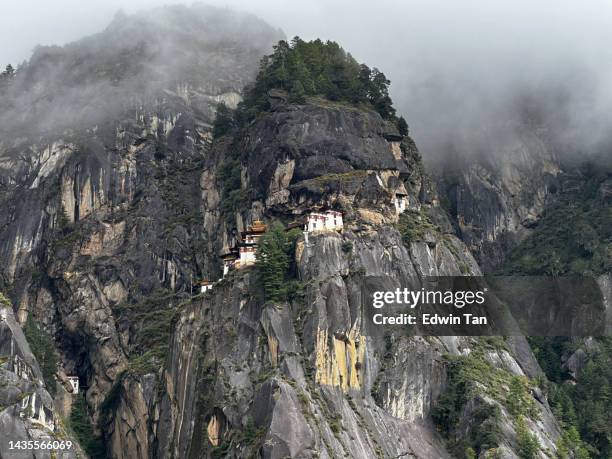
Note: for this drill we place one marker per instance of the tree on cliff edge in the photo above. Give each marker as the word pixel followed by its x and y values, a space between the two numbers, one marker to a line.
pixel 273 262
pixel 274 256
pixel 316 68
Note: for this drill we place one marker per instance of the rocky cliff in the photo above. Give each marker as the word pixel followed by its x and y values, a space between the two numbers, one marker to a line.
pixel 27 410
pixel 110 220
pixel 308 377
pixel 498 191
pixel 100 179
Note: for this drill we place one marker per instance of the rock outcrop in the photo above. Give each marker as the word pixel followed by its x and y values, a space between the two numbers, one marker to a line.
pixel 311 377
pixel 101 205
pixel 498 196
pixel 27 412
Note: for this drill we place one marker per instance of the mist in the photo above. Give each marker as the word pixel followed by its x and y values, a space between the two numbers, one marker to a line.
pixel 134 63
pixel 462 73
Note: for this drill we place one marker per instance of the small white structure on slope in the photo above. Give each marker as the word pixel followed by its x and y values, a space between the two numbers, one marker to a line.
pixel 205 286
pixel 401 202
pixel 329 220
pixel 74 382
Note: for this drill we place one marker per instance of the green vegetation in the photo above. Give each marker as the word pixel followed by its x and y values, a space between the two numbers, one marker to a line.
pixel 274 262
pixel 233 197
pixel 574 236
pixel 521 404
pixel 229 172
pixel 224 121
pixel 317 71
pixel 161 150
pixel 347 246
pixel 519 401
pixel 463 266
pixel 250 436
pixel 6 77
pixel 474 378
pixel 402 126
pixel 4 301
pixel 43 348
pixel 9 72
pixel 584 408
pixel 413 225
pixel 527 442
pixel 152 321
pixel 571 446
pixel 316 68
pixel 81 425
pixel 63 222
pixel 464 377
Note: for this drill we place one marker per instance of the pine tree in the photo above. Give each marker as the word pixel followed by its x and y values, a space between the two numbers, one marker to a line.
pixel 83 429
pixel 515 399
pixel 528 443
pixel 308 83
pixel 296 95
pixel 6 77
pixel 273 262
pixel 365 81
pixel 281 75
pixel 322 84
pixel 379 94
pixel 277 70
pixel 320 68
pixel 224 120
pixel 9 72
pixel 43 348
pixel 402 126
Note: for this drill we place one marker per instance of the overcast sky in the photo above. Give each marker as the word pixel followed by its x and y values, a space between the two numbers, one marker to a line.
pixel 450 55
pixel 481 29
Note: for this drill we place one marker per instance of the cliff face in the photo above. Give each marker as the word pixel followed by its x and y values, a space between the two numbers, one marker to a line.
pixel 301 158
pixel 108 225
pixel 498 196
pixel 536 203
pixel 101 213
pixel 309 377
pixel 27 412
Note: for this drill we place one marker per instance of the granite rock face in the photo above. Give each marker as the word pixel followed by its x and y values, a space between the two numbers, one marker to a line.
pixel 109 222
pixel 497 197
pixel 27 412
pixel 101 207
pixel 312 377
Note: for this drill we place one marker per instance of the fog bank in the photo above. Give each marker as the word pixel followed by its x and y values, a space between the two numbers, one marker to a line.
pixel 460 71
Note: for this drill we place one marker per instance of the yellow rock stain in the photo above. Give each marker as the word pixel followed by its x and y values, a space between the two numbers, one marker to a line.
pixel 341 364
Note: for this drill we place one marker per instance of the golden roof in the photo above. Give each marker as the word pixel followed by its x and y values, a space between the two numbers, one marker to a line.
pixel 257 227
